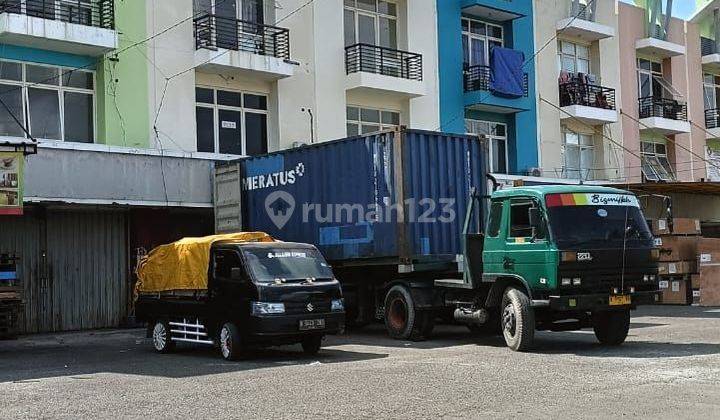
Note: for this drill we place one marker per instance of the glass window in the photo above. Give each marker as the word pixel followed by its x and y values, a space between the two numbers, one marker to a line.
pixel 10 71
pixel 372 22
pixel 655 163
pixel 520 218
pixel 497 136
pixel 650 79
pixel 579 151
pixel 41 74
pixel 225 261
pixel 44 108
pixel 79 125
pixel 573 58
pixel 479 38
pixel 495 219
pixel 236 125
pixel 12 96
pixel 368 120
pixel 78 79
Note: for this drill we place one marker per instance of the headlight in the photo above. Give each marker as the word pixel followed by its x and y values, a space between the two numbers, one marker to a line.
pixel 265 308
pixel 646 277
pixel 566 281
pixel 576 281
pixel 337 305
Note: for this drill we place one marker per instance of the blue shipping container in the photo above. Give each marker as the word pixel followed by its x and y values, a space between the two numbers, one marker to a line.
pixel 399 196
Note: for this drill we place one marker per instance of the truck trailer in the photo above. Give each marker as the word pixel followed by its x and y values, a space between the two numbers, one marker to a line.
pixel 414 234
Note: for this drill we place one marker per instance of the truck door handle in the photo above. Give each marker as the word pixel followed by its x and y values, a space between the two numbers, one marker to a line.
pixel 508 263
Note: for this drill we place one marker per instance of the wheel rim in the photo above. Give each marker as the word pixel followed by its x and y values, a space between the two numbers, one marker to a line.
pixel 509 320
pixel 225 342
pixel 159 336
pixel 397 315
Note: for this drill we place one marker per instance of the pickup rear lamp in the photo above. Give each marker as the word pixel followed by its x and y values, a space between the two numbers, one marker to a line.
pixel 566 281
pixel 568 256
pixel 576 281
pixel 655 254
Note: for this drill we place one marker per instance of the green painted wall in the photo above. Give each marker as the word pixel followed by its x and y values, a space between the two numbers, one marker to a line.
pixel 123 102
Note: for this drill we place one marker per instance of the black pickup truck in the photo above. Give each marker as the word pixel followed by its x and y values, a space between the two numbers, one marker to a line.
pixel 258 294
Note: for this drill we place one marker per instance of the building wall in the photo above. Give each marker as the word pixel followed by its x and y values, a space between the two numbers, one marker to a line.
pixel 454 102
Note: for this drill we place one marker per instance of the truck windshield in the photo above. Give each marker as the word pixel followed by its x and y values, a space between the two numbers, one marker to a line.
pixel 605 220
pixel 288 264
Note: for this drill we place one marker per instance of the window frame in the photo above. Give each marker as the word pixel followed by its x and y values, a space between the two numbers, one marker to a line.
pixel 652 74
pixel 715 86
pixel 517 201
pixel 218 251
pixel 60 88
pixel 654 160
pixel 492 137
pixel 376 16
pixel 580 148
pixel 485 38
pixel 216 108
pixel 359 122
pixel 574 56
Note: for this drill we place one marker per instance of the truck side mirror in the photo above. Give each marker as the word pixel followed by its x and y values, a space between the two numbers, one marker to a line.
pixel 534 217
pixel 236 273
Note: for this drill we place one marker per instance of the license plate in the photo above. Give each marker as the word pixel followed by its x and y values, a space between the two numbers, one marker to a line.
pixel 619 300
pixel 312 324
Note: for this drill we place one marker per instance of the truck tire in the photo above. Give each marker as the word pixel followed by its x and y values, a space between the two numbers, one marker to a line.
pixel 161 337
pixel 517 320
pixel 231 346
pixel 402 320
pixel 311 344
pixel 611 327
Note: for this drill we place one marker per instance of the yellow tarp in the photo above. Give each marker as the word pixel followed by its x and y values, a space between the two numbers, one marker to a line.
pixel 183 265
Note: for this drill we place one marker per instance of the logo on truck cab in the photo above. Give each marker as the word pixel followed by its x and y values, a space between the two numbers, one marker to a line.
pixel 273 179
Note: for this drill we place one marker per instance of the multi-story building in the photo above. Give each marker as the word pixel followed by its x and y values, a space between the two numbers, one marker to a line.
pixel 468 31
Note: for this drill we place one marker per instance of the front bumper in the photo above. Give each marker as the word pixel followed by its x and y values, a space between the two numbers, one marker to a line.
pixel 596 302
pixel 282 325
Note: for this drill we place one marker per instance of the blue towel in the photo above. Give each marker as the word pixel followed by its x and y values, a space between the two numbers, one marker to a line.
pixel 506 72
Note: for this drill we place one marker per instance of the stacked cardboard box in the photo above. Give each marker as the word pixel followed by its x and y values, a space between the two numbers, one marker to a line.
pixel 678 242
pixel 707 286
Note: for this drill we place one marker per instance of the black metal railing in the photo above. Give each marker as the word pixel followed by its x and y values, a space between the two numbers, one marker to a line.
pixel 583 13
pixel 576 93
pixel 385 61
pixel 662 108
pixel 478 77
pixel 712 118
pixel 213 32
pixel 97 13
pixel 708 46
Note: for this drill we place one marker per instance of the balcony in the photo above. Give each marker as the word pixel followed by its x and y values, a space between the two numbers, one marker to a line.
pixel 665 116
pixel 231 46
pixel 591 104
pixel 659 48
pixel 373 68
pixel 712 123
pixel 477 85
pixel 80 27
pixel 478 78
pixel 582 25
pixel 710 55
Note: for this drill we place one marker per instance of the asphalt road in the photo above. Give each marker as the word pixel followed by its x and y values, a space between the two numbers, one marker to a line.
pixel 668 368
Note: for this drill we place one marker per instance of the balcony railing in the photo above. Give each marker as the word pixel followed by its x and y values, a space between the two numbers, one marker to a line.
pixel 385 61
pixel 478 78
pixel 576 93
pixel 662 108
pixel 708 46
pixel 97 13
pixel 712 118
pixel 213 32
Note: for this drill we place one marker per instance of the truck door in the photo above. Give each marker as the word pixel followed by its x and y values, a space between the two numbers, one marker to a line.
pixel 494 248
pixel 231 286
pixel 526 248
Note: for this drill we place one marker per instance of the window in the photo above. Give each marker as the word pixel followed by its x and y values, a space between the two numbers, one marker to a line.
pixel 495 222
pixel 650 79
pixel 520 218
pixel 225 261
pixel 579 155
pixel 53 103
pixel 573 58
pixel 231 122
pixel 372 22
pixel 478 39
pixel 368 120
pixel 655 163
pixel 711 91
pixel 247 10
pixel 497 136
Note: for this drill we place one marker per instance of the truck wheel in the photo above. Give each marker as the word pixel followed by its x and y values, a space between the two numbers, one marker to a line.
pixel 402 320
pixel 161 337
pixel 517 320
pixel 611 327
pixel 311 344
pixel 231 346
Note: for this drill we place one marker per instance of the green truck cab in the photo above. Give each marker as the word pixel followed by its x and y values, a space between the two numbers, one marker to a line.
pixel 552 257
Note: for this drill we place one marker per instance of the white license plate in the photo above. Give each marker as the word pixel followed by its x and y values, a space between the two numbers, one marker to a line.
pixel 312 324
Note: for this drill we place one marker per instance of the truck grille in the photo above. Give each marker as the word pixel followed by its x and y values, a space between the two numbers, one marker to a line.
pixel 297 308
